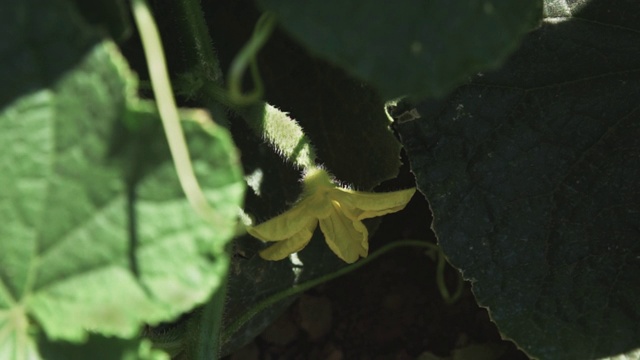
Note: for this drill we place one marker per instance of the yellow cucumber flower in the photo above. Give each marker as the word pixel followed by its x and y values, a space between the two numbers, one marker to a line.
pixel 340 213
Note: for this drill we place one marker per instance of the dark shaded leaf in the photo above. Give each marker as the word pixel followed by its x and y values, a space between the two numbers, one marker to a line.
pixel 409 47
pixel 532 173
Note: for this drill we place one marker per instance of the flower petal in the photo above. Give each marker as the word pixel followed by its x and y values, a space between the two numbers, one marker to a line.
pixel 363 205
pixel 284 248
pixel 285 225
pixel 345 240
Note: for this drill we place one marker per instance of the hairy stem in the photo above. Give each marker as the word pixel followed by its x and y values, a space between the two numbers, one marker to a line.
pixel 282 132
pixel 196 35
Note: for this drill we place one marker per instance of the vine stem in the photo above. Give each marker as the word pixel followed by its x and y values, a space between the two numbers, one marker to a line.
pixel 298 288
pixel 168 111
pixel 208 346
pixel 247 57
pixel 444 291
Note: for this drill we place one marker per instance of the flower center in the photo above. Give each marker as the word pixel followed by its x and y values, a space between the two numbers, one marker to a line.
pixel 317 182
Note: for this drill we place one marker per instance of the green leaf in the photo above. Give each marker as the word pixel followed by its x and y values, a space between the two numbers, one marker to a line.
pixel 533 176
pixel 409 47
pixel 97 235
